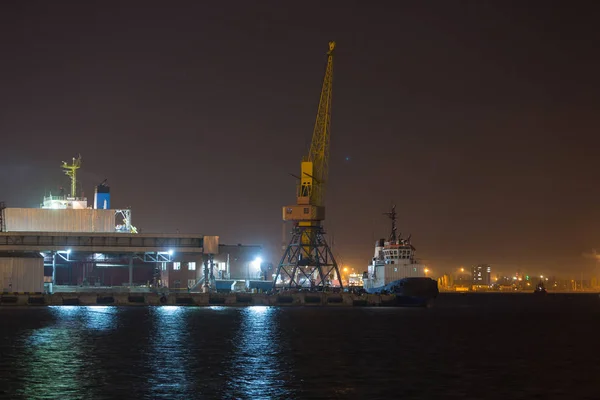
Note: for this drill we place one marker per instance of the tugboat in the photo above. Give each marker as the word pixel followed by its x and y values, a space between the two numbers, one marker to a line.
pixel 395 270
pixel 540 288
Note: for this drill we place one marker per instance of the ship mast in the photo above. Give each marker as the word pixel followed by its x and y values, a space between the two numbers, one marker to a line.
pixel 392 216
pixel 71 171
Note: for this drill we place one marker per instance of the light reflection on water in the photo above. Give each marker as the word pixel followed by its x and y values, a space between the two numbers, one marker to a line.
pixel 55 358
pixel 300 353
pixel 101 318
pixel 167 310
pixel 166 352
pixel 97 318
pixel 258 371
pixel 169 351
pixel 46 348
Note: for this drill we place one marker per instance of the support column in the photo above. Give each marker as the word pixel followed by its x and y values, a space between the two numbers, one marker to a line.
pixel 53 272
pixel 206 276
pixel 130 270
pixel 157 276
pixel 227 268
pixel 199 272
pixel 164 275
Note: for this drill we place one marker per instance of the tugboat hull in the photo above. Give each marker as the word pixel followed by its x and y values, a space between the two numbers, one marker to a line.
pixel 410 292
pixel 412 301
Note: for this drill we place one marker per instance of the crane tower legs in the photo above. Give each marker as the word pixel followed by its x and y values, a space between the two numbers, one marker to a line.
pixel 307 261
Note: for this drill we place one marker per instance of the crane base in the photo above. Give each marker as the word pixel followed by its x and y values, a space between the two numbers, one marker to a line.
pixel 307 261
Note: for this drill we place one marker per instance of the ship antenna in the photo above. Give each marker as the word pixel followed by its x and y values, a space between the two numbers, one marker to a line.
pixel 71 172
pixel 392 216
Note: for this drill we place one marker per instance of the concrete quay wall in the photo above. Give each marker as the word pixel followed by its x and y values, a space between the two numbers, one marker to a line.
pixel 198 299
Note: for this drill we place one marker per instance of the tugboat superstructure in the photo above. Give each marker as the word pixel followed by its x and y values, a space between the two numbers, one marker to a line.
pixel 395 269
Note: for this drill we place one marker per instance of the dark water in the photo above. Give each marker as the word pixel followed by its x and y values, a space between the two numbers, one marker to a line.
pixel 477 347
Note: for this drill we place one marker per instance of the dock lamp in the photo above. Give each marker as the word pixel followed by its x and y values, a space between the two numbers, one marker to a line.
pixel 256 263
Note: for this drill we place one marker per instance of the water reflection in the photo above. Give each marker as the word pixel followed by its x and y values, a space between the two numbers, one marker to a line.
pixel 169 352
pixel 167 310
pixel 55 361
pixel 96 318
pixel 164 352
pixel 258 373
pixel 101 318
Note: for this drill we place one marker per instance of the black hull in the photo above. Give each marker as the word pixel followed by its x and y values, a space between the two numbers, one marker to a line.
pixel 410 292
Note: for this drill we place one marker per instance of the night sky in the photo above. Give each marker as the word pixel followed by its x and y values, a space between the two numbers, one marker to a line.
pixel 479 119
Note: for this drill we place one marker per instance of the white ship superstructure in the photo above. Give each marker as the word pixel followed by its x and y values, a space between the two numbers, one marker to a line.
pixel 64 202
pixel 70 212
pixel 394 259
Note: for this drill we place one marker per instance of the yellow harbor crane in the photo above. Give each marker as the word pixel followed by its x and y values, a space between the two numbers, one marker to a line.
pixel 307 260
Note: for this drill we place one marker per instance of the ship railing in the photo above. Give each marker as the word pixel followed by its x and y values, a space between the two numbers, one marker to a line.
pixel 64 198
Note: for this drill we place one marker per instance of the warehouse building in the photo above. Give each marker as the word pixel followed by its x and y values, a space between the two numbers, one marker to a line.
pixel 67 245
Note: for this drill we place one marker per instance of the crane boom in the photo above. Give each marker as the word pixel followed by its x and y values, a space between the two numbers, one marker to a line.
pixel 319 146
pixel 315 166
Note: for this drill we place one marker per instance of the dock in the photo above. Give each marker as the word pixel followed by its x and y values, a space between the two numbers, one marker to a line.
pixel 300 299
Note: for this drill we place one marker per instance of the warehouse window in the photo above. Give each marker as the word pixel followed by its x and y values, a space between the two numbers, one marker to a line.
pixel 192 266
pixel 176 266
